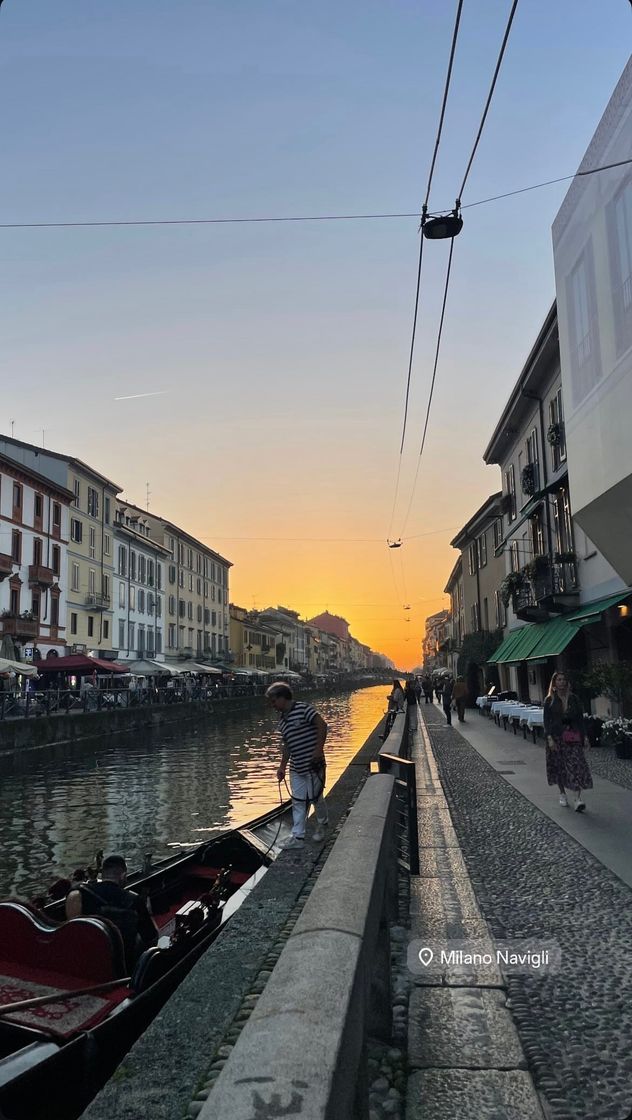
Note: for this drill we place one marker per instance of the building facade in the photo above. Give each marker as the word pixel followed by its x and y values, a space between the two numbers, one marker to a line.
pixel 89 574
pixel 592 247
pixel 553 570
pixel 435 641
pixel 253 641
pixel 140 569
pixel 34 523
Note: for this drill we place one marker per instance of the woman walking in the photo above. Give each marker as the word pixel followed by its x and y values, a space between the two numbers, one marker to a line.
pixel 566 764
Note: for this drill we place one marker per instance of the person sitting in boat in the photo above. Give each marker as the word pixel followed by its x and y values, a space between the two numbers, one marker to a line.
pixel 109 898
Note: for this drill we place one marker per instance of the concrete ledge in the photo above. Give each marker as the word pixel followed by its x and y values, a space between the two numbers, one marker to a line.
pixel 301 1049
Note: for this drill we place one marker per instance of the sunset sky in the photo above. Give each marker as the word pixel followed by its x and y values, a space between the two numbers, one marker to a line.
pixel 280 350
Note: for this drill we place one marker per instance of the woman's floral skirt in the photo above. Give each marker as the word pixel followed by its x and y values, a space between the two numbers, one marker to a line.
pixel 566 766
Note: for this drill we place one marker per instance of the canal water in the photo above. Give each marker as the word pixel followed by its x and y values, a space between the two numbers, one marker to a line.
pixel 157 791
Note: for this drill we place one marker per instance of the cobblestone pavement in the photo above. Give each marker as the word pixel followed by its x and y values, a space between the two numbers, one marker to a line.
pixel 533 881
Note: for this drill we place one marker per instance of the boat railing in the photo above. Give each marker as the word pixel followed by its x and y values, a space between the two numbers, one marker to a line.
pixel 303 1049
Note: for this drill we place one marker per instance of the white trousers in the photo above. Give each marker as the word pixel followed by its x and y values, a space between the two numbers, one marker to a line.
pixel 304 787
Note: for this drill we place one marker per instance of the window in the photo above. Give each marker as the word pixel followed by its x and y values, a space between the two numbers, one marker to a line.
pixel 73 623
pixel 15 600
pixel 219 594
pixel 158 642
pixel 106 510
pixel 56 560
pixel 180 579
pixel 172 547
pixel 142 568
pixel 158 577
pixel 198 563
pixel 510 490
pixel 476 624
pixel 74 577
pixel 93 502
pixel 17 500
pixel 107 544
pixel 537 533
pixel 141 640
pixel 207 616
pixel 190 610
pixel 92 542
pixel 472 558
pixel 90 626
pixel 54 611
pixel 172 573
pixel 39 507
pixel 199 612
pixel 498 533
pixel 180 553
pixel 150 603
pixel 132 598
pixel 158 606
pixel 37 551
pixel 16 546
pixel 121 594
pixel 76 485
pixel 132 564
pixel 141 600
pixel 150 641
pixel 35 604
pixel 106 629
pixel 205 589
pixel 182 608
pixel 171 636
pixel 190 581
pixel 514 556
pixel 76 530
pixel 56 516
pixel 485 615
pixel 533 458
pixel 150 573
pixel 199 586
pixel 619 220
pixel 92 581
pixel 105 586
pixel 121 640
pixel 585 357
pixel 556 420
pixel 501 614
pixel 132 636
pixel 189 558
pixel 213 592
pixel 172 604
pixel 213 571
pixel 213 618
pixel 482 550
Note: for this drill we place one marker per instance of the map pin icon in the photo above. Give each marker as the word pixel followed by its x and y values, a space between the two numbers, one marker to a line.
pixel 425 956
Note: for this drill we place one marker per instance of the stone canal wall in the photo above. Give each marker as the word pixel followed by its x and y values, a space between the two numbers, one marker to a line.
pixel 167 1066
pixel 37 732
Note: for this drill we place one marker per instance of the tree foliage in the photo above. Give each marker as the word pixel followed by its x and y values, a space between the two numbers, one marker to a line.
pixel 477 648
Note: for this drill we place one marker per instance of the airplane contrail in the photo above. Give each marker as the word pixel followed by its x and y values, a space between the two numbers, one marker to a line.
pixel 135 396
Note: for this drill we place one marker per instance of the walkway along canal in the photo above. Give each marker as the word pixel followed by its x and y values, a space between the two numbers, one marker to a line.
pixel 153 791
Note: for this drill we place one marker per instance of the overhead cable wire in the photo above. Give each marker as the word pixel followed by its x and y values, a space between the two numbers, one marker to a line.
pixel 424 209
pixel 330 540
pixel 400 214
pixel 492 87
pixel 468 168
pixel 432 383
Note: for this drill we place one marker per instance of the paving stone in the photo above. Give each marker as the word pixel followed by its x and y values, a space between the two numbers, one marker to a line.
pixel 461 1028
pixel 440 863
pixel 456 1094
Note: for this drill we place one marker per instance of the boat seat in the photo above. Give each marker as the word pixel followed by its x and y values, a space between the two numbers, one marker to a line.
pixel 90 949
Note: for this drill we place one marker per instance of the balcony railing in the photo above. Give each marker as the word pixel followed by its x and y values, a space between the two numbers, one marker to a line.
pixel 20 627
pixel 96 602
pixel 41 576
pixel 550 589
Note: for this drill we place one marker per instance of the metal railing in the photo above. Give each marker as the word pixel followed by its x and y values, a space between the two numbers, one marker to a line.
pixel 392 759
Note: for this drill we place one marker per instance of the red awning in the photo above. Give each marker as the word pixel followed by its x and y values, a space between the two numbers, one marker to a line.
pixel 78 664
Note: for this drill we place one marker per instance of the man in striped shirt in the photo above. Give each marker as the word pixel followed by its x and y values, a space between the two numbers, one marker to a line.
pixel 304 732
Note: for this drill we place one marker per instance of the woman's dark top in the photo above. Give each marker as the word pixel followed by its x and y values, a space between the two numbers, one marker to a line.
pixel 556 720
pixel 410 693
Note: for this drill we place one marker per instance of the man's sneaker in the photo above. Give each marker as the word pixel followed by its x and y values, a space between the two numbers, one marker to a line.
pixel 563 799
pixel 579 805
pixel 319 833
pixel 294 842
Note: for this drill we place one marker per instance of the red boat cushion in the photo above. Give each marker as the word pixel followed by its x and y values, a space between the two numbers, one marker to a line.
pixel 88 948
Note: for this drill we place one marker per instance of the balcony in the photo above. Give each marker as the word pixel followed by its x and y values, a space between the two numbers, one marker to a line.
pixel 550 588
pixel 20 628
pixel 96 602
pixel 6 565
pixel 39 576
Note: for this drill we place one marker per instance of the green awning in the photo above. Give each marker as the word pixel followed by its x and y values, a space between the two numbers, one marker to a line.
pixel 554 636
pixel 542 640
pixel 503 653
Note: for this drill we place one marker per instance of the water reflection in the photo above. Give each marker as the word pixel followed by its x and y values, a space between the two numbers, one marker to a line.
pixel 148 792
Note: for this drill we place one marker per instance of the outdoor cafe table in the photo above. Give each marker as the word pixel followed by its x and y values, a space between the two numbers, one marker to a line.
pixel 533 719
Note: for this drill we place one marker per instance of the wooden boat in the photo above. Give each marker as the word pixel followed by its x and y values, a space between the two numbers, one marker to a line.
pixel 54 1056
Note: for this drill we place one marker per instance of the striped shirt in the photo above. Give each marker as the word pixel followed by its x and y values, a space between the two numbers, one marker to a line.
pixel 297 726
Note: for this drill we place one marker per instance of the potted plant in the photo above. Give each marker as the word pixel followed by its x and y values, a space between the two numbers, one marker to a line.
pixel 511 585
pixel 554 434
pixel 565 557
pixel 617 733
pixel 527 480
pixel 539 566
